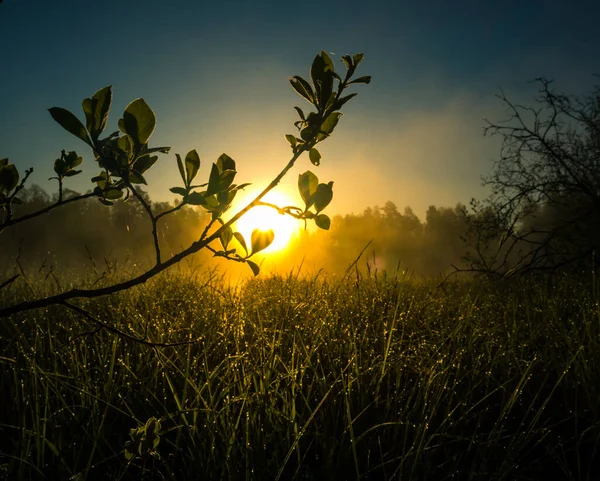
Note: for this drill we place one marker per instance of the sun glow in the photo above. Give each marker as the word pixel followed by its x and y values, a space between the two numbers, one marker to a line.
pixel 265 218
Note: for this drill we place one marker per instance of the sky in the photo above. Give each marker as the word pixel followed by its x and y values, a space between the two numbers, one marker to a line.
pixel 216 75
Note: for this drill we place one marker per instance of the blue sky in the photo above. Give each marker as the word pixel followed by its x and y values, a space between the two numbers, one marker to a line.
pixel 216 75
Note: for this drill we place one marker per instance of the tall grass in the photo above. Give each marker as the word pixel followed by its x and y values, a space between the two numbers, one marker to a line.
pixel 370 378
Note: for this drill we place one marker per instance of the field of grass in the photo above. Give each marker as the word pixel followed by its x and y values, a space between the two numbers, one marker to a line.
pixel 374 379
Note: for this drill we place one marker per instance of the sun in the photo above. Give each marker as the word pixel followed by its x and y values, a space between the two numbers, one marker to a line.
pixel 265 218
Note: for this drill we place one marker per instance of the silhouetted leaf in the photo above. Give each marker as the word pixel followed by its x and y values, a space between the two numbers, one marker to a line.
pixel 70 123
pixel 71 173
pixel 261 239
pixel 291 139
pixel 194 198
pixel 322 197
pixel 321 74
pixel 241 240
pixel 9 178
pixel 307 186
pixel 323 222
pixel 181 169
pixel 139 121
pixel 315 156
pixel 142 164
pixel 338 105
pixel 192 164
pixel 300 113
pixel 96 111
pixel 361 80
pixel 3 162
pixel 254 267
pixel 178 190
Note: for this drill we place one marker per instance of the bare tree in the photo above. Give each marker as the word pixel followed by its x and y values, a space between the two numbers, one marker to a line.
pixel 544 209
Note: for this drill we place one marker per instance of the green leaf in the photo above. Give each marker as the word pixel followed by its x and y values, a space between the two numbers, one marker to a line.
pixel 96 111
pixel 357 58
pixel 349 62
pixel 125 144
pixel 9 178
pixel 303 88
pixel 101 180
pixel 315 156
pixel 70 123
pixel 71 173
pixel 213 180
pixel 321 73
pixel 139 121
pixel 224 162
pixel 323 222
pixel 328 125
pixel 361 80
pixel 254 267
pixel 142 164
pixel 106 202
pixel 226 237
pixel 72 160
pixel 307 186
pixel 240 238
pixel 192 165
pixel 322 196
pixel 261 239
pixel 178 190
pixel 113 194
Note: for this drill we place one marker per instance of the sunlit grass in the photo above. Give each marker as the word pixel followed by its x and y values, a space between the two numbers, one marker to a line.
pixel 310 379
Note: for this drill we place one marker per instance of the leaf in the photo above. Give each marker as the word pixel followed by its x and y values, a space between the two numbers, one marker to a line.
pixel 195 198
pixel 240 238
pixel 224 162
pixel 126 145
pixel 142 164
pixel 322 196
pixel 321 73
pixel 226 237
pixel 261 239
pixel 307 186
pixel 291 139
pixel 192 165
pixel 315 156
pixel 72 160
pixel 3 162
pixel 300 113
pixel 361 80
pixel 181 170
pixel 59 167
pixel 254 267
pixel 71 173
pixel 357 58
pixel 106 202
pixel 9 178
pixel 70 123
pixel 328 125
pixel 303 88
pixel 323 222
pixel 213 180
pixel 338 105
pixel 113 194
pixel 349 62
pixel 139 121
pixel 96 111
pixel 178 190
pixel 101 180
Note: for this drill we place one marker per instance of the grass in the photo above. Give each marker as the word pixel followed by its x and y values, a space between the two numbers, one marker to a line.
pixel 370 378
